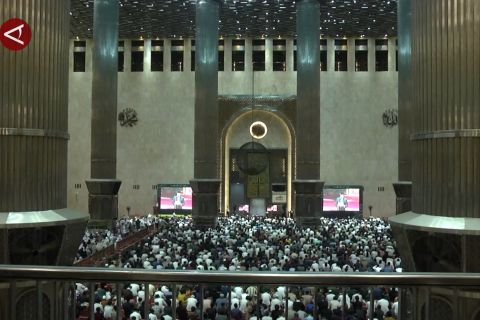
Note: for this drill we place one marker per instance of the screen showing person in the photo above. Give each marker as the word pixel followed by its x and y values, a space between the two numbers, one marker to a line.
pixel 272 208
pixel 341 199
pixel 341 202
pixel 176 198
pixel 244 208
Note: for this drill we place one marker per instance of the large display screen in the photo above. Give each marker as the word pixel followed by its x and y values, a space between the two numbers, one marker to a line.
pixel 342 199
pixel 244 208
pixel 175 198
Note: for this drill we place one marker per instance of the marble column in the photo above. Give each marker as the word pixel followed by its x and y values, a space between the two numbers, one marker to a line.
pixel 443 229
pixel 308 93
pixel 308 188
pixel 103 186
pixel 403 188
pixel 439 87
pixel 36 227
pixel 206 183
pixel 227 52
pixel 269 54
pixel 289 53
pixel 351 54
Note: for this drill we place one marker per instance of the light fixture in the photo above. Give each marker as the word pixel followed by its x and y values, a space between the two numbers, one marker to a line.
pixel 258 130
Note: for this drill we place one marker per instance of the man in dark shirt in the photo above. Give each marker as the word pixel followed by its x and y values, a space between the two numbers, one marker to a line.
pixel 277 312
pixel 357 304
pixel 127 308
pixel 182 313
pixel 236 314
pixel 378 313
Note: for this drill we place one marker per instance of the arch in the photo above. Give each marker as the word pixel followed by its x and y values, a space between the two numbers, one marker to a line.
pixel 440 308
pixel 476 314
pixel 25 302
pixel 226 131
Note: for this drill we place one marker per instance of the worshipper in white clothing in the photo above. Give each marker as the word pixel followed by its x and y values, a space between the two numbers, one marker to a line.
pixel 109 311
pixel 191 302
pixel 383 303
pixel 135 315
pixel 152 315
pixel 266 298
pixel 275 302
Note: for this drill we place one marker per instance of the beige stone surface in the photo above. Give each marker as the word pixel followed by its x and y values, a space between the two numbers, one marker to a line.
pixel 356 148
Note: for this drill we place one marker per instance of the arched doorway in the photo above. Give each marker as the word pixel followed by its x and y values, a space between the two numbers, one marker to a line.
pixel 26 304
pixel 280 144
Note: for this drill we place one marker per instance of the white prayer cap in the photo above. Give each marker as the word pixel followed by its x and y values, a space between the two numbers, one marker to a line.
pixel 398 261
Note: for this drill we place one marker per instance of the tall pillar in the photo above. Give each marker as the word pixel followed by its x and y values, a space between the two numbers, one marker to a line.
pixel 443 228
pixel 308 188
pixel 103 186
pixel 371 54
pixel 227 52
pixel 351 54
pixel 403 188
pixel 289 53
pixel 206 184
pixel 269 54
pixel 36 227
pixel 330 54
pixel 442 231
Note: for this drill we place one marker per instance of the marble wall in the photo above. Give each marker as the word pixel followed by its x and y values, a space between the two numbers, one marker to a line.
pixel 356 148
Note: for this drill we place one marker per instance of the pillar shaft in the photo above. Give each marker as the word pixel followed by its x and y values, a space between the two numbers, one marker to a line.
pixel 103 187
pixel 446 113
pixel 205 184
pixel 308 189
pixel 206 90
pixel 104 89
pixel 404 90
pixel 34 109
pixel 308 90
pixel 35 225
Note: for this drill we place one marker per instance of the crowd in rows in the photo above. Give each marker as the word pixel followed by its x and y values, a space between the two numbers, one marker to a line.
pixel 263 244
pixel 254 244
pixel 237 303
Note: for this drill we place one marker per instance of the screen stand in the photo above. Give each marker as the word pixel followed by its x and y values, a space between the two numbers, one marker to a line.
pixel 205 201
pixel 308 201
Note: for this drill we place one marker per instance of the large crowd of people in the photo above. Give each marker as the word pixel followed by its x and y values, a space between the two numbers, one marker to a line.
pixel 96 240
pixel 254 244
pixel 264 244
pixel 237 303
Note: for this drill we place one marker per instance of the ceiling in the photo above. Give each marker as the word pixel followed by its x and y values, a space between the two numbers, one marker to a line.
pixel 244 18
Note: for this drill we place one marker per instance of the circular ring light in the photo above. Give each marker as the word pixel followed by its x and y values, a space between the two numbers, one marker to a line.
pixel 258 130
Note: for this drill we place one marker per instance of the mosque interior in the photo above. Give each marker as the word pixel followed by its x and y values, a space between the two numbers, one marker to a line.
pixel 301 115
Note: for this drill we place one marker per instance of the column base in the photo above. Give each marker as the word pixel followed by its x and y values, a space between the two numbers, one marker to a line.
pixel 403 191
pixel 205 201
pixel 103 200
pixel 308 201
pixel 431 243
pixel 49 237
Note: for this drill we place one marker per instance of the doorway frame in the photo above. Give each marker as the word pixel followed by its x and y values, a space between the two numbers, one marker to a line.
pixel 225 152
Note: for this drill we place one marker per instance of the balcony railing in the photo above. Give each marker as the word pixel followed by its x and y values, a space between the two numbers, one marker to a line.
pixel 58 282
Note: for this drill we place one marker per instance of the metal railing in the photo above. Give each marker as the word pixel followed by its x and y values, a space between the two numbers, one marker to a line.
pixel 60 280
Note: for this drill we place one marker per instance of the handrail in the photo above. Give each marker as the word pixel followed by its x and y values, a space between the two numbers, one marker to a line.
pixel 9 272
